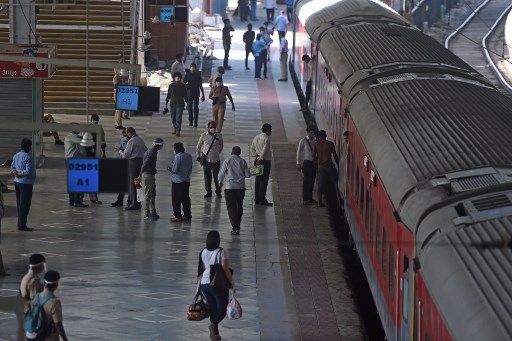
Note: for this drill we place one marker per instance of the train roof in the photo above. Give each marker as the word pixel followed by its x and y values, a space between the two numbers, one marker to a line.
pixel 416 129
pixel 475 255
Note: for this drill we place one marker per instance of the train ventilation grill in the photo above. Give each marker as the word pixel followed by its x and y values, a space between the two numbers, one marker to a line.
pixel 492 202
pixel 395 78
pixel 391 32
pixel 474 182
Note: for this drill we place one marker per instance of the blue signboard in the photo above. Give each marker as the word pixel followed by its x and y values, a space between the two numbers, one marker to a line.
pixel 83 175
pixel 127 97
pixel 166 13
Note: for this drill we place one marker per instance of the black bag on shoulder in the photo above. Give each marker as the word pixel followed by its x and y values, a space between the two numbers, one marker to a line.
pixel 218 278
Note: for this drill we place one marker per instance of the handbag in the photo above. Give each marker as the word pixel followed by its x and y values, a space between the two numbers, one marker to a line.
pixel 198 310
pixel 234 309
pixel 218 278
pixel 256 170
pixel 203 156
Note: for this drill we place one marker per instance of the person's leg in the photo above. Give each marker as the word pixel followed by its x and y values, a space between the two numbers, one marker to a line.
pixel 207 291
pixel 264 180
pixel 247 52
pixel 17 188
pixel 152 197
pixel 187 205
pixel 257 189
pixel 147 192
pixel 118 118
pixel 231 206
pixel 308 169
pixel 253 10
pixel 269 16
pixel 308 94
pixel 190 111
pixel 134 166
pixel 176 203
pixel 221 299
pixel 289 13
pixel 240 195
pixel 179 116
pixel 272 14
pixel 196 110
pixel 207 172
pixel 215 166
pixel 227 47
pixel 264 57
pixel 220 116
pixel 173 118
pixel 257 66
pixel 25 202
pixel 215 109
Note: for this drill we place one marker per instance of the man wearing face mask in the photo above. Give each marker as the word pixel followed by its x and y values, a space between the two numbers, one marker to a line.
pixel 262 152
pixel 177 95
pixel 210 145
pixel 31 282
pixel 178 65
pixel 194 83
pixel 218 96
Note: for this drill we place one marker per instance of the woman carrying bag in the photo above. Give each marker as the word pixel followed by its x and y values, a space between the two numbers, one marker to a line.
pixel 213 257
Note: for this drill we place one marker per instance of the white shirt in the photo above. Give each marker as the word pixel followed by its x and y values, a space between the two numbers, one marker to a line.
pixel 270 4
pixel 135 148
pixel 209 258
pixel 305 150
pixel 284 45
pixel 178 67
pixel 235 170
pixel 260 147
pixel 205 140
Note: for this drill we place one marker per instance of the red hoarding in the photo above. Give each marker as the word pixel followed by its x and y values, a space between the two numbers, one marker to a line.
pixel 21 69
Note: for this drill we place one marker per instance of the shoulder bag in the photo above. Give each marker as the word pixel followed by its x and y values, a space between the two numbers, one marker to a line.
pixel 218 278
pixel 203 156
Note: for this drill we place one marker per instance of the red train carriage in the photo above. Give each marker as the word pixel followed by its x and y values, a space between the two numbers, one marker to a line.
pixel 426 173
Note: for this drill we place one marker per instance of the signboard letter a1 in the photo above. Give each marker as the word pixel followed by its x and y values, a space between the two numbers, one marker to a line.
pixel 166 14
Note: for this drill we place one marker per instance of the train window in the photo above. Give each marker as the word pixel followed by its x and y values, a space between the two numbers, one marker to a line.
pixel 384 245
pixel 361 199
pixel 377 236
pixel 367 212
pixel 391 270
pixel 405 292
pixel 357 185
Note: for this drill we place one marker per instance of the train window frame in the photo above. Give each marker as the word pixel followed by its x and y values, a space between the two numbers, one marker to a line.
pixel 357 185
pixel 384 252
pixel 406 291
pixel 367 210
pixel 377 236
pixel 391 275
pixel 361 199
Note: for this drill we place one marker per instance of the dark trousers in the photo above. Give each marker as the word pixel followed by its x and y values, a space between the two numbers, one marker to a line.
pixel 308 93
pixel 210 168
pixel 180 196
pixel 257 66
pixel 193 109
pixel 23 201
pixel 217 302
pixel 75 198
pixel 235 206
pixel 289 13
pixel 248 51
pixel 262 183
pixel 270 15
pixel 134 166
pixel 308 181
pixel 244 11
pixel 253 10
pixel 264 57
pixel 227 47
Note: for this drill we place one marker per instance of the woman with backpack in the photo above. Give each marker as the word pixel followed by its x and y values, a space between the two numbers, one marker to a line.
pixel 217 298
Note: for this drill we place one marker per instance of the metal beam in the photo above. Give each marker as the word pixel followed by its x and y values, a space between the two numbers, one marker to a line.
pixel 71 62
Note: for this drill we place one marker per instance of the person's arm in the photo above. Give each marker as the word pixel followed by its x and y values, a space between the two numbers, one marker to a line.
pixel 221 142
pixel 231 28
pixel 223 170
pixel 176 165
pixel 266 147
pixel 57 320
pixel 202 90
pixel 225 266
pixel 300 153
pixel 60 329
pixel 253 149
pixel 244 38
pixel 27 167
pixel 210 96
pixel 315 156
pixel 199 146
pixel 230 99
pixel 168 97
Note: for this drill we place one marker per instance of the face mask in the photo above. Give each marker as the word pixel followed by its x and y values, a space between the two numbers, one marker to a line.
pixel 218 83
pixel 95 122
pixel 177 79
pixel 211 130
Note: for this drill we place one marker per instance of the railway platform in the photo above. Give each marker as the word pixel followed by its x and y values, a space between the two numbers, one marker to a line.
pixel 124 278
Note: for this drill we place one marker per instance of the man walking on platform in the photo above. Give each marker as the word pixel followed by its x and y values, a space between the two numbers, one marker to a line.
pixel 323 153
pixel 194 83
pixel 177 95
pixel 226 41
pixel 134 152
pixel 178 65
pixel 305 163
pixel 270 6
pixel 23 170
pixel 181 169
pixel 281 23
pixel 248 39
pixel 235 170
pixel 289 9
pixel 219 73
pixel 262 152
pixel 218 94
pixel 284 57
pixel 259 48
pixel 254 6
pixel 147 175
pixel 31 283
pixel 208 148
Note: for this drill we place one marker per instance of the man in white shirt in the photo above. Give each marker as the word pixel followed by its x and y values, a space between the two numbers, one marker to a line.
pixel 262 152
pixel 283 48
pixel 270 6
pixel 306 165
pixel 235 170
pixel 178 65
pixel 210 144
